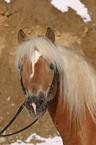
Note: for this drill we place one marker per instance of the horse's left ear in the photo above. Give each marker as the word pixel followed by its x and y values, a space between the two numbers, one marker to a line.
pixel 22 36
pixel 50 34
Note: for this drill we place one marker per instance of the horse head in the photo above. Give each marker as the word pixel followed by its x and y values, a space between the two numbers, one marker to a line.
pixel 38 76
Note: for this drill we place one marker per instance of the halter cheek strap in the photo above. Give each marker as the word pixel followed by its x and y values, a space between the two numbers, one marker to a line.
pixel 55 78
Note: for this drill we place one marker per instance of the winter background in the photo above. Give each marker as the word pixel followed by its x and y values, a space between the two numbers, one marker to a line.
pixel 62 5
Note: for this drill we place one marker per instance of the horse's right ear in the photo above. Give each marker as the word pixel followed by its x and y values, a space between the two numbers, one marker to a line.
pixel 50 34
pixel 22 36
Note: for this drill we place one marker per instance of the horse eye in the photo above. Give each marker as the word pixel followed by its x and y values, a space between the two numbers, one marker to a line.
pixel 51 66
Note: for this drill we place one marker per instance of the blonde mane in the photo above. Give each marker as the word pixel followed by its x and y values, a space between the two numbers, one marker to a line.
pixel 77 76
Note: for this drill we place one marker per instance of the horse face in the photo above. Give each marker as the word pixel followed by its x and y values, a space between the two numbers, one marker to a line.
pixel 36 82
pixel 36 77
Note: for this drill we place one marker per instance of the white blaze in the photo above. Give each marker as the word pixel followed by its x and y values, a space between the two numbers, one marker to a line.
pixel 34 60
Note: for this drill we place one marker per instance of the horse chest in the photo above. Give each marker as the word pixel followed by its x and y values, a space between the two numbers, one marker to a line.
pixel 61 120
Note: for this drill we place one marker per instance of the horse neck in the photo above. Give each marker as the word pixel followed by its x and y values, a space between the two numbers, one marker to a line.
pixel 71 133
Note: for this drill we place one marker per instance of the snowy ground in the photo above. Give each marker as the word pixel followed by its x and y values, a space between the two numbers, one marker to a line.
pixel 8 1
pixel 42 141
pixel 76 5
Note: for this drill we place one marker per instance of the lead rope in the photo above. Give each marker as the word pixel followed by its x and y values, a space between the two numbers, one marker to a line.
pixel 13 119
pixel 56 75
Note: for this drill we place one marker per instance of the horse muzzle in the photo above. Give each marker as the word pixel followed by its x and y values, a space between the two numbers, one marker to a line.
pixel 36 105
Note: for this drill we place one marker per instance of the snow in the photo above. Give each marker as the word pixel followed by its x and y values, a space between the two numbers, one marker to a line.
pixel 8 1
pixel 76 5
pixel 42 141
pixel 38 140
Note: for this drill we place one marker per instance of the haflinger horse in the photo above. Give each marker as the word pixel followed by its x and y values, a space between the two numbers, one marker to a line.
pixel 58 78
